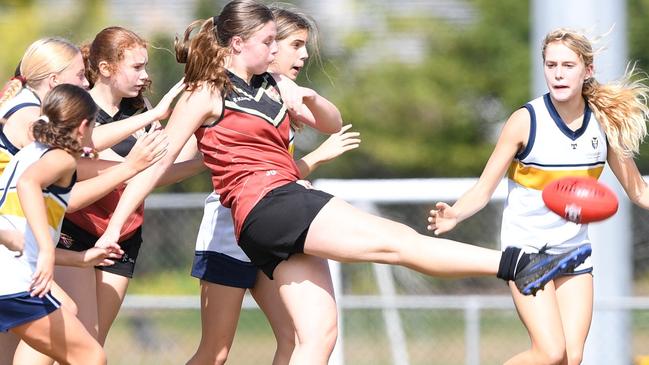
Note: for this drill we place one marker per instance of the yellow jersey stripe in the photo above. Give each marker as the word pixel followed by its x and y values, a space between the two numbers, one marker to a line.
pixel 536 178
pixel 55 211
pixel 5 157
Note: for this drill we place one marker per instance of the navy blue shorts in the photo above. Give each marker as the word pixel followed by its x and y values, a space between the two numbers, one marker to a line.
pixel 217 268
pixel 277 226
pixel 20 308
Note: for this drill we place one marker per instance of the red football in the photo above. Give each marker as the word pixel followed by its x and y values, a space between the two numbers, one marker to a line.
pixel 580 199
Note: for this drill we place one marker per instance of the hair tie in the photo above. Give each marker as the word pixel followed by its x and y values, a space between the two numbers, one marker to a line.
pixel 20 78
pixel 44 118
pixel 89 152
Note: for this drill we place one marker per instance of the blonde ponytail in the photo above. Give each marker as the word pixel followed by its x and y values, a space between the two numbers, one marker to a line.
pixel 11 89
pixel 621 108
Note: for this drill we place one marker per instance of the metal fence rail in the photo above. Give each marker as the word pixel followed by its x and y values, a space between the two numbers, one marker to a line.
pixel 389 315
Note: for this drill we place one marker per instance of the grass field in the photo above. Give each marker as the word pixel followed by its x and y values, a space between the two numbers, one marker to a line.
pixel 434 337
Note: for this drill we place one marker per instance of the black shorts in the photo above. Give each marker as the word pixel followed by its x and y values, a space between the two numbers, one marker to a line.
pixel 77 239
pixel 277 226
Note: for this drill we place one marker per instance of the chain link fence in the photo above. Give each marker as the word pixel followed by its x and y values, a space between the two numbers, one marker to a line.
pixel 443 321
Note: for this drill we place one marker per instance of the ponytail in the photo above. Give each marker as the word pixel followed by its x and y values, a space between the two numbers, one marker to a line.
pixel 57 135
pixel 621 109
pixel 64 109
pixel 203 56
pixel 11 89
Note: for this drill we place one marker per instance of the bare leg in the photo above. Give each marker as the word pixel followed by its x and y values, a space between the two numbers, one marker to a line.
pixel 25 354
pixel 8 343
pixel 307 292
pixel 540 314
pixel 344 233
pixel 79 284
pixel 111 290
pixel 63 337
pixel 267 296
pixel 575 297
pixel 220 309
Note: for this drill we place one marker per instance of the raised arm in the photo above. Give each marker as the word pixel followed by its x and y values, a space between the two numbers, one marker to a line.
pixel 191 111
pixel 512 139
pixel 105 136
pixel 307 106
pixel 98 178
pixel 337 144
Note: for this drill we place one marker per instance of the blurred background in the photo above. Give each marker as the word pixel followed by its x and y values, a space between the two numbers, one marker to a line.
pixel 428 84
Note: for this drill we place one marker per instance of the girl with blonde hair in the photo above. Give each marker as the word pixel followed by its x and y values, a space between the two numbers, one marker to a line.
pixel 47 63
pixel 573 130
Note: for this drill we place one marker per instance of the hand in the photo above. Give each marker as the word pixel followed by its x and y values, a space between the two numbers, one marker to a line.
pixel 148 149
pixel 44 274
pixel 108 240
pixel 442 219
pixel 293 95
pixel 100 256
pixel 163 109
pixel 14 240
pixel 337 144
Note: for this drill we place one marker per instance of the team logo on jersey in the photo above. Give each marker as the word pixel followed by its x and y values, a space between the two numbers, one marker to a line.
pixel 594 142
pixel 573 146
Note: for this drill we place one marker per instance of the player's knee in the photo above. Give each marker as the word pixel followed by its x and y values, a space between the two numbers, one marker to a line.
pixel 221 356
pixel 285 339
pixel 94 355
pixel 217 356
pixel 575 357
pixel 396 249
pixel 323 334
pixel 553 356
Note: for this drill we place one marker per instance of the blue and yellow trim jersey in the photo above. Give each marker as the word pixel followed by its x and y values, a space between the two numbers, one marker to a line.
pixel 553 151
pixel 25 98
pixel 17 271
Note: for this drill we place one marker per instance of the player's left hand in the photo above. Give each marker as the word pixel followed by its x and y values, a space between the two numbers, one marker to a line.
pixel 43 276
pixel 442 219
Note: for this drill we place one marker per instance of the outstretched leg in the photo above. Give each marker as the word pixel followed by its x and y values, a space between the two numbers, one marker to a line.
pixel 344 233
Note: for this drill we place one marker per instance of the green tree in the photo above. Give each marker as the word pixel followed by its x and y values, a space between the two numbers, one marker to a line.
pixel 435 118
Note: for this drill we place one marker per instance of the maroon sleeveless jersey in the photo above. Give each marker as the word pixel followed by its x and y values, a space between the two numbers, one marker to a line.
pixel 95 217
pixel 247 148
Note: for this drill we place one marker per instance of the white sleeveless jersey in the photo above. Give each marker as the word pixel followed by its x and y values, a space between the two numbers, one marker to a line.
pixel 24 98
pixel 16 272
pixel 553 151
pixel 216 232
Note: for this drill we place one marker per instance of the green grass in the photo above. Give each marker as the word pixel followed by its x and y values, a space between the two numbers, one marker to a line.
pixel 434 337
pixel 165 283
